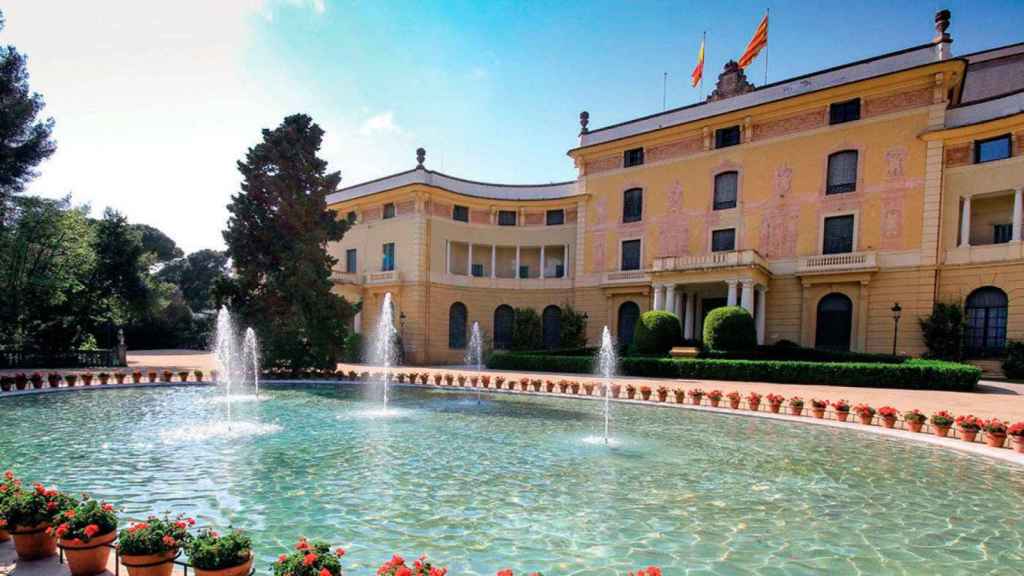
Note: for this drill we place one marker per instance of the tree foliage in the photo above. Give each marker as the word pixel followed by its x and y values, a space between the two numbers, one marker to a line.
pixel 196 275
pixel 527 331
pixel 943 331
pixel 573 328
pixel 160 245
pixel 276 236
pixel 24 136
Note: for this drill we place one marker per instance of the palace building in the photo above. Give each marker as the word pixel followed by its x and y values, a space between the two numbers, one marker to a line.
pixel 817 203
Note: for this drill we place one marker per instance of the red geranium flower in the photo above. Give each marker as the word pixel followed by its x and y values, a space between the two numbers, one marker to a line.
pixel 107 507
pixel 39 488
pixel 340 551
pixel 9 475
pixel 302 545
pixel 69 513
pixel 169 541
pixel 309 559
pixel 325 572
pixel 282 558
pixel 91 530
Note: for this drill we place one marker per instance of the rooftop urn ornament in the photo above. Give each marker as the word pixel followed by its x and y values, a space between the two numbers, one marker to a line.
pixel 584 121
pixel 941 24
pixel 421 155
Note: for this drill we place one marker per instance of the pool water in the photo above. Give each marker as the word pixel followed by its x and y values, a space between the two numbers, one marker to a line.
pixel 514 482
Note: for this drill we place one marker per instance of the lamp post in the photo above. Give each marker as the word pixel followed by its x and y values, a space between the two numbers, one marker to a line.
pixel 896 311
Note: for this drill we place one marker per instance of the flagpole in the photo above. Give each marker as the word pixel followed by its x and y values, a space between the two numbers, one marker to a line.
pixel 767 24
pixel 664 91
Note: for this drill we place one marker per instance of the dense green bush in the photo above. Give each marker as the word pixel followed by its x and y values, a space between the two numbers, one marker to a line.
pixel 796 352
pixel 730 328
pixel 573 333
pixel 943 331
pixel 657 332
pixel 527 333
pixel 1013 366
pixel 911 374
pixel 353 352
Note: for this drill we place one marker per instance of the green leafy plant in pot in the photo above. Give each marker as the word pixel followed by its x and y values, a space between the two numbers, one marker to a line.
pixel 213 554
pixel 149 548
pixel 85 531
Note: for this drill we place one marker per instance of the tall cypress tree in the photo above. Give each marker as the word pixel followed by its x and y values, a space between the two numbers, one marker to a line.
pixel 277 237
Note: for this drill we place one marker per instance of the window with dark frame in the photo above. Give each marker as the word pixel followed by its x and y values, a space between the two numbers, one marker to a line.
pixel 350 261
pixel 997 148
pixel 555 217
pixel 725 137
pixel 632 205
pixel 723 240
pixel 842 172
pixel 630 255
pixel 1002 233
pixel 460 213
pixel 726 185
pixel 457 314
pixel 389 210
pixel 506 217
pixel 634 157
pixel 838 235
pixel 847 111
pixel 388 262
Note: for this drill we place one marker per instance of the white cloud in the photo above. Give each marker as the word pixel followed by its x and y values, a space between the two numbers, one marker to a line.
pixel 380 123
pixel 154 103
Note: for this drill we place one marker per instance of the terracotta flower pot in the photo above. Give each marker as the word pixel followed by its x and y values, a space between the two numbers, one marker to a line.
pixel 941 431
pixel 889 421
pixel 662 395
pixel 695 400
pixel 4 535
pixel 754 405
pixel 150 564
pixel 734 404
pixel 796 411
pixel 645 394
pixel 1018 444
pixel 240 570
pixel 915 425
pixel 33 543
pixel 630 393
pixel 775 407
pixel 88 558
pixel 995 440
pixel 818 412
pixel 715 402
pixel 968 435
pixel 842 416
pixel 866 419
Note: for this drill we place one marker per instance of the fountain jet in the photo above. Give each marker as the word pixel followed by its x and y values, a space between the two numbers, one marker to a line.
pixel 384 351
pixel 474 354
pixel 607 363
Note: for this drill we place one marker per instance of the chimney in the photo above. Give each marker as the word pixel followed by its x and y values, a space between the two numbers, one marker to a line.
pixel 942 39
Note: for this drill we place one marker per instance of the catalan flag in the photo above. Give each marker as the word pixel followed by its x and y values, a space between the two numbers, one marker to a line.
pixel 698 71
pixel 756 44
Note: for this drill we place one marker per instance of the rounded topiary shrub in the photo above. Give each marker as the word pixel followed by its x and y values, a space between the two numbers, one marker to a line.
pixel 656 332
pixel 1013 366
pixel 730 328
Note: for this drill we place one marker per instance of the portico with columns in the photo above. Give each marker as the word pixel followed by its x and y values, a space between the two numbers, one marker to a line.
pixel 692 298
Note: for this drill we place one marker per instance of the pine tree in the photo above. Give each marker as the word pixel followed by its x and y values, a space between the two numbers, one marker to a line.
pixel 276 237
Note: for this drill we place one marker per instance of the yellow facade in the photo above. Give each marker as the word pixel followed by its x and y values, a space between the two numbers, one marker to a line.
pixel 805 250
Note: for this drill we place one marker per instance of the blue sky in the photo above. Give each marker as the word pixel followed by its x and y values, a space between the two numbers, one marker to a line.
pixel 155 102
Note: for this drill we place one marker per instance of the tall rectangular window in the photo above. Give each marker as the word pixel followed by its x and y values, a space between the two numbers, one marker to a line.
pixel 725 137
pixel 634 157
pixel 723 240
pixel 389 210
pixel 388 263
pixel 460 213
pixel 630 255
pixel 838 235
pixel 556 217
pixel 848 111
pixel 726 187
pixel 506 217
pixel 632 205
pixel 842 172
pixel 991 149
pixel 350 260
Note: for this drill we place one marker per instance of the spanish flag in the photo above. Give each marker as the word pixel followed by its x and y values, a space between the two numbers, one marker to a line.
pixel 759 41
pixel 698 70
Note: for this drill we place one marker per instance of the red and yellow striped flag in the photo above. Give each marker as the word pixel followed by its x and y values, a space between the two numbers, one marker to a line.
pixel 698 70
pixel 759 41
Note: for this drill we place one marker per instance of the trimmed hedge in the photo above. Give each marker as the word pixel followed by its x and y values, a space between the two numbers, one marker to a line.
pixel 730 328
pixel 912 374
pixel 803 354
pixel 656 332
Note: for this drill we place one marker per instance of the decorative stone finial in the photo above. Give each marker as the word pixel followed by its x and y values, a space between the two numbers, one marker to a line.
pixel 421 155
pixel 584 121
pixel 731 82
pixel 941 23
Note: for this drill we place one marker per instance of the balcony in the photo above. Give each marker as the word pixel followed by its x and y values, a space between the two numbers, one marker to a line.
pixel 339 277
pixel 389 277
pixel 846 262
pixel 1003 252
pixel 709 261
pixel 626 276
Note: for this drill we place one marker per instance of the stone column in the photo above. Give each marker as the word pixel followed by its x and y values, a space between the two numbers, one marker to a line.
pixel 1018 214
pixel 357 323
pixel 516 275
pixel 730 296
pixel 691 306
pixel 448 257
pixel 679 303
pixel 670 298
pixel 747 296
pixel 542 261
pixel 759 317
pixel 965 222
pixel 659 292
pixel 469 260
pixel 494 261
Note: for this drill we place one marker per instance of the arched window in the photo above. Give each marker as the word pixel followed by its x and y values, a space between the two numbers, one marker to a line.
pixel 842 172
pixel 629 313
pixel 552 326
pixel 986 321
pixel 457 326
pixel 504 318
pixel 632 205
pixel 726 185
pixel 835 322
